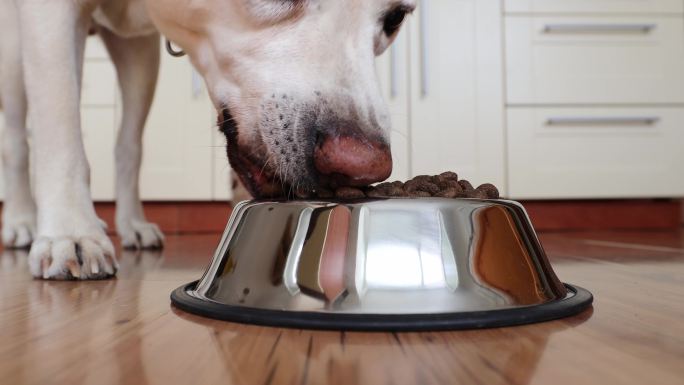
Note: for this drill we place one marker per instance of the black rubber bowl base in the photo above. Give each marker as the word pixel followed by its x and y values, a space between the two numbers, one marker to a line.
pixel 578 300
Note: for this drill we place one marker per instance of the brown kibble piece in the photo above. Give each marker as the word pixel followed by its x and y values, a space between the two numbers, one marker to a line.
pixel 428 187
pixel 478 194
pixel 465 185
pixel 411 186
pixel 324 193
pixel 449 183
pixel 469 193
pixel 349 193
pixel 448 193
pixel 377 193
pixel 444 185
pixel 420 194
pixel 490 190
pixel 396 192
pixel 449 175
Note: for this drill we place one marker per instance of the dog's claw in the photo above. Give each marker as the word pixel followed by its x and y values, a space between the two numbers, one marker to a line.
pixel 65 258
pixel 45 266
pixel 74 269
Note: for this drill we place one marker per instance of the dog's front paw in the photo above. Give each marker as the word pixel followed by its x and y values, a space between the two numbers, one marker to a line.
pixel 63 258
pixel 137 234
pixel 18 227
pixel 18 235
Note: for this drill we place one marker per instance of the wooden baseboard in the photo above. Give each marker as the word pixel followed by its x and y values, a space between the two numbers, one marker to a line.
pixel 605 214
pixel 212 217
pixel 178 217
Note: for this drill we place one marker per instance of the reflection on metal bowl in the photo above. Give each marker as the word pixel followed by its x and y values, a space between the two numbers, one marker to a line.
pixel 392 264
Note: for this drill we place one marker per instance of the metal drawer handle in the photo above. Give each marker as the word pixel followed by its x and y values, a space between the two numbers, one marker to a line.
pixel 604 28
pixel 606 121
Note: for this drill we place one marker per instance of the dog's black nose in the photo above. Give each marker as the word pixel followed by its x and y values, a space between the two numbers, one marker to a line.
pixel 352 157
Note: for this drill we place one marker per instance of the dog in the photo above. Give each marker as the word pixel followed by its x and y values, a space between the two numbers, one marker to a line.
pixel 293 83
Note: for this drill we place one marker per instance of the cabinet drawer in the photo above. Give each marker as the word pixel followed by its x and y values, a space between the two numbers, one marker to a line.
pixel 603 60
pixel 594 6
pixel 595 153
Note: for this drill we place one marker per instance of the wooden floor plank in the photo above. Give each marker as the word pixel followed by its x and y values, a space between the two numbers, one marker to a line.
pixel 124 331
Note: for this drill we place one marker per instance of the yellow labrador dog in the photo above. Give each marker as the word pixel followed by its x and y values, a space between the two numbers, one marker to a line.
pixel 293 83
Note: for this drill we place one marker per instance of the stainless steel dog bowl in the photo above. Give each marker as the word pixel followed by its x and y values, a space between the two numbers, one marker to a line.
pixel 394 264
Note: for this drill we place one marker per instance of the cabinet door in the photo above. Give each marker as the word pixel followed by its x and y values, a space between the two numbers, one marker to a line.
pixel 178 159
pixel 595 60
pixel 457 90
pixel 595 152
pixel 594 6
pixel 393 74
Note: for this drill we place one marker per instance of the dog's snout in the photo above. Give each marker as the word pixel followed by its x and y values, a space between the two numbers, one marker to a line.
pixel 355 159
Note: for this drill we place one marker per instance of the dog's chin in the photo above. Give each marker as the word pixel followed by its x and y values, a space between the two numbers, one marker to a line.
pixel 263 183
pixel 260 180
pixel 256 178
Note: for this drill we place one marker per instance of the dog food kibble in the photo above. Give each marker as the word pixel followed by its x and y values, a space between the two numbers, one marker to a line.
pixel 490 190
pixel 349 193
pixel 325 194
pixel 449 192
pixel 465 185
pixel 444 185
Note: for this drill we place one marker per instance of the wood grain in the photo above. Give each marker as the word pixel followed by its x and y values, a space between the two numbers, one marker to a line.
pixel 124 331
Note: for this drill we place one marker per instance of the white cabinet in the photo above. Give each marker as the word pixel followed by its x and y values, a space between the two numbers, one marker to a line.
pixel 595 152
pixel 545 98
pixel 393 75
pixel 602 60
pixel 178 157
pixel 594 6
pixel 99 136
pixel 99 106
pixel 182 155
pixel 99 85
pixel 595 98
pixel 452 106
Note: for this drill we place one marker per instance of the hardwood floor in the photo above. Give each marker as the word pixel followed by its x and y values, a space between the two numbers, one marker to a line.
pixel 124 331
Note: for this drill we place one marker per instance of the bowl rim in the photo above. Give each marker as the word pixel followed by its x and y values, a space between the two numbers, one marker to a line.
pixel 577 300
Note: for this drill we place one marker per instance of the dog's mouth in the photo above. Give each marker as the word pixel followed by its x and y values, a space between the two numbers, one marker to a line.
pixel 259 179
pixel 333 159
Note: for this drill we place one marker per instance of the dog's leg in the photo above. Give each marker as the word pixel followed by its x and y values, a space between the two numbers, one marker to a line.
pixel 71 242
pixel 19 210
pixel 137 65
